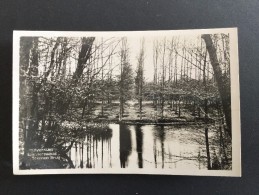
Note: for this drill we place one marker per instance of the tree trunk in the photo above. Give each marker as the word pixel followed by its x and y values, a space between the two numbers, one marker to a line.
pixel 84 56
pixel 25 48
pixel 207 148
pixel 33 105
pixel 224 88
pixel 206 115
pixel 179 107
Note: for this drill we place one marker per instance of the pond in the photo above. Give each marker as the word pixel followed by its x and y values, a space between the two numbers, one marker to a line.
pixel 142 146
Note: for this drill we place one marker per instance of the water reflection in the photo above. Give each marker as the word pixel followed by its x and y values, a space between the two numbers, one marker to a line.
pixel 139 146
pixel 159 133
pixel 91 151
pixel 125 145
pixel 139 140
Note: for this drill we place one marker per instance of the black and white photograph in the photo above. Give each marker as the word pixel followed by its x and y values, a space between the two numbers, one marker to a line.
pixel 126 102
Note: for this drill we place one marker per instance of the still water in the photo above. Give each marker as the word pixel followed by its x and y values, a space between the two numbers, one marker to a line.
pixel 141 146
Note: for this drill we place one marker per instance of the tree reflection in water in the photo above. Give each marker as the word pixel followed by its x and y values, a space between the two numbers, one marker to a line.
pixel 172 147
pixel 88 147
pixel 139 141
pixel 125 145
pixel 159 134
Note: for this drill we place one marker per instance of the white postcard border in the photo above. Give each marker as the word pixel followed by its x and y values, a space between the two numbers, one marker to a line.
pixel 235 104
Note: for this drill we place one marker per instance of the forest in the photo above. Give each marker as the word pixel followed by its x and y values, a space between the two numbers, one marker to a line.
pixel 73 90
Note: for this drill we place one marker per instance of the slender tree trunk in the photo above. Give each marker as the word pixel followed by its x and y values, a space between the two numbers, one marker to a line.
pixel 175 69
pixel 163 80
pixel 207 148
pixel 102 93
pixel 121 86
pixel 140 102
pixel 206 115
pixel 155 59
pixel 179 108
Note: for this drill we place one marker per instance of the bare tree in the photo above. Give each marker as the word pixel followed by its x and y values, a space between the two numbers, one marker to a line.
pixel 139 80
pixel 125 80
pixel 155 79
pixel 163 77
pixel 224 89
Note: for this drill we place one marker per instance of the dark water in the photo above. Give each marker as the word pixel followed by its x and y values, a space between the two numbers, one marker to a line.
pixel 146 146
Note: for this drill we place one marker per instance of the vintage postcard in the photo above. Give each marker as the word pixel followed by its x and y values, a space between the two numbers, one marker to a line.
pixel 140 102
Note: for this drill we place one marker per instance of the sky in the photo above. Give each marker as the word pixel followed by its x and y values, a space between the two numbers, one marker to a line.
pixel 134 45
